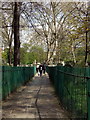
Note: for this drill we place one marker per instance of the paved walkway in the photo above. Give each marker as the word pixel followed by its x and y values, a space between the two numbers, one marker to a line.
pixel 34 100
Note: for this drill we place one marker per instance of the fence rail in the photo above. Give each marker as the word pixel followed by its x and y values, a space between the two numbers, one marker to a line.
pixel 72 87
pixel 14 77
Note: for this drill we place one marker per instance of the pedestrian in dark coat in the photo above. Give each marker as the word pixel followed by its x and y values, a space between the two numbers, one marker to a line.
pixel 41 69
pixel 44 68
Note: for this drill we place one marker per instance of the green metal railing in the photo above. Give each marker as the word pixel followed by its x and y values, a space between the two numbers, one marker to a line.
pixel 72 86
pixel 14 77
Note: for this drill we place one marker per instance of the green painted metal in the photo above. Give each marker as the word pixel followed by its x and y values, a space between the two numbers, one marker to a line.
pixel 0 83
pixel 88 92
pixel 71 87
pixel 14 77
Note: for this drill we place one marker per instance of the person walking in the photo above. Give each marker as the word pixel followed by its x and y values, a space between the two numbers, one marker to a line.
pixel 40 69
pixel 37 68
pixel 44 68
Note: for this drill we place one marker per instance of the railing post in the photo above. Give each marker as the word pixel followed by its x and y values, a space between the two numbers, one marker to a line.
pixel 3 82
pixel 1 76
pixel 88 93
pixel 56 80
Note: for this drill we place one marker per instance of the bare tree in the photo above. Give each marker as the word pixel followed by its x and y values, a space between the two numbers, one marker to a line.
pixel 7 30
pixel 47 18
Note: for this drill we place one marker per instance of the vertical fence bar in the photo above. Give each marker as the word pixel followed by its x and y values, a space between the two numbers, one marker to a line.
pixel 88 93
pixel 1 75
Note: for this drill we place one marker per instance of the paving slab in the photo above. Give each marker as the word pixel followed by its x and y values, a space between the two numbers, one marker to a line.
pixel 35 100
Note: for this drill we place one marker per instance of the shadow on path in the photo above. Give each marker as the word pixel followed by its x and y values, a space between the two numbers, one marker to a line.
pixel 34 100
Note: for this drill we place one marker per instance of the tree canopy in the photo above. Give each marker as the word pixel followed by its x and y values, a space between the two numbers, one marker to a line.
pixel 52 31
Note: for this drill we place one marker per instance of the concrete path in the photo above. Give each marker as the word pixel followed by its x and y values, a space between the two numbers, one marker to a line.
pixel 34 100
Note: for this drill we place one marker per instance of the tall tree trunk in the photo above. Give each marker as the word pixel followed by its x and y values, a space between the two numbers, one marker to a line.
pixel 16 34
pixel 73 54
pixel 10 49
pixel 87 32
pixel 9 55
pixel 47 54
pixel 86 48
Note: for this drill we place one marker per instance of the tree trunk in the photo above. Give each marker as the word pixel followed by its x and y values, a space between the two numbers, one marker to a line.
pixel 86 48
pixel 73 54
pixel 16 34
pixel 9 55
pixel 10 49
pixel 87 32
